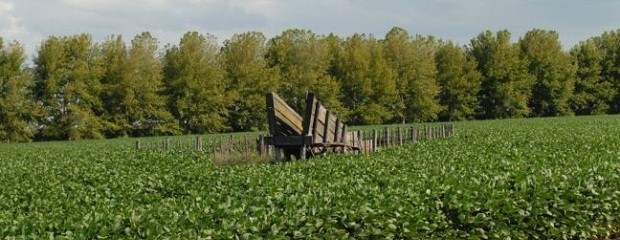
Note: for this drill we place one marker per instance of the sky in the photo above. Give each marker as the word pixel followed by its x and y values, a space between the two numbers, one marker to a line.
pixel 32 21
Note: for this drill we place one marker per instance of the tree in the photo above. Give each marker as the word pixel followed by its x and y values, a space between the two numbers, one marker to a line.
pixel 303 60
pixel 506 84
pixel 414 63
pixel 459 82
pixel 67 85
pixel 196 86
pixel 368 83
pixel 135 101
pixel 18 112
pixel 553 71
pixel 593 93
pixel 609 44
pixel 250 78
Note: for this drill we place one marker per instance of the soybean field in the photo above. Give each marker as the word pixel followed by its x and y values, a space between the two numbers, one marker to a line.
pixel 519 178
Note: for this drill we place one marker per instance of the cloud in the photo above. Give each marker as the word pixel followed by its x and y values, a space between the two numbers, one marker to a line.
pixel 31 21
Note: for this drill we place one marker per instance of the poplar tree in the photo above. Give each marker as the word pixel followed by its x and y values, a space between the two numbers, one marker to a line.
pixel 416 73
pixel 459 82
pixel 249 78
pixel 609 44
pixel 196 86
pixel 17 110
pixel 67 85
pixel 593 93
pixel 553 71
pixel 368 83
pixel 133 77
pixel 303 60
pixel 506 84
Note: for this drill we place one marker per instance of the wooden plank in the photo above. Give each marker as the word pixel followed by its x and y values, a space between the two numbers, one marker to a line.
pixel 280 112
pixel 287 141
pixel 311 106
pixel 271 118
pixel 336 132
pixel 319 123
pixel 326 133
pixel 331 133
pixel 290 118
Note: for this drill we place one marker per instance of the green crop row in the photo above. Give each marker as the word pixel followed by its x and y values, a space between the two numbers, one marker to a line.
pixel 530 178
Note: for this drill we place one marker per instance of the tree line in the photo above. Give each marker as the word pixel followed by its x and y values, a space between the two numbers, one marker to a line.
pixel 80 89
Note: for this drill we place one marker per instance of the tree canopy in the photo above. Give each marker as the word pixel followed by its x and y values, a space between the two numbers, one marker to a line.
pixel 78 88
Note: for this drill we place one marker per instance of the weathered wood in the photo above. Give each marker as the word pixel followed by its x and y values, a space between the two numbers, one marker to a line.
pixel 198 143
pixel 399 134
pixel 281 117
pixel 138 146
pixel 374 140
pixel 309 115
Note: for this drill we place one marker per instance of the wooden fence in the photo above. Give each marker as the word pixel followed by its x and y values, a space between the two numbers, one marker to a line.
pixel 238 149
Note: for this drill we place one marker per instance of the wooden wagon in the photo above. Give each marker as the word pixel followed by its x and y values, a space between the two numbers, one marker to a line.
pixel 318 131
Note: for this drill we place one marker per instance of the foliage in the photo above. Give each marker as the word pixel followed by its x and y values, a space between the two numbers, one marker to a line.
pixel 506 84
pixel 414 63
pixel 77 88
pixel 524 178
pixel 459 82
pixel 195 85
pixel 17 109
pixel 368 83
pixel 553 71
pixel 144 106
pixel 593 93
pixel 67 85
pixel 303 60
pixel 250 78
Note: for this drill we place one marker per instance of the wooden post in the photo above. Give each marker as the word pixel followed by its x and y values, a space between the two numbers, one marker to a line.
pixel 278 155
pixel 259 145
pixel 138 147
pixel 400 136
pixel 198 143
pixel 374 140
pixel 386 137
pixel 167 144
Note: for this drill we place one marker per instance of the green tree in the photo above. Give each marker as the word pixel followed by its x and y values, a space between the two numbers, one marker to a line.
pixel 506 84
pixel 459 82
pixel 609 44
pixel 250 78
pixel 115 89
pixel 368 83
pixel 414 62
pixel 593 93
pixel 67 85
pixel 17 110
pixel 303 59
pixel 196 86
pixel 134 100
pixel 553 71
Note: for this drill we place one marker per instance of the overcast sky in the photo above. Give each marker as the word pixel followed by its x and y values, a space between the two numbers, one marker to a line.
pixel 31 21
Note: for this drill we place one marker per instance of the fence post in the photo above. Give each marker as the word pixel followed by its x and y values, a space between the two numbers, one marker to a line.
pixel 167 144
pixel 386 137
pixel 259 145
pixel 400 136
pixel 138 147
pixel 198 143
pixel 374 140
